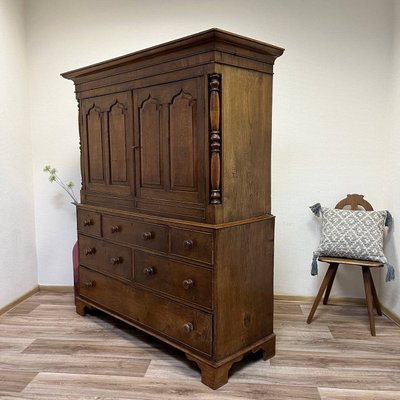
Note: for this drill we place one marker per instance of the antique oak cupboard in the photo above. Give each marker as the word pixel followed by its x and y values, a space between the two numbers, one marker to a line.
pixel 176 235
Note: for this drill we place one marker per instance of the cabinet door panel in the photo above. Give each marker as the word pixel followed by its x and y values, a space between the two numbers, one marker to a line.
pixel 118 145
pixel 183 152
pixel 107 145
pixel 170 139
pixel 151 144
pixel 95 145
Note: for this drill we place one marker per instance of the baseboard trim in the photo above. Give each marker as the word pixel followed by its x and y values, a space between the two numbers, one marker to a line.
pixel 286 297
pixel 19 300
pixel 391 315
pixel 310 299
pixel 56 288
pixel 339 300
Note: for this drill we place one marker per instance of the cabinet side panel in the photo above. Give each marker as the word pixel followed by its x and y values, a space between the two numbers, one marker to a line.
pixel 243 286
pixel 246 143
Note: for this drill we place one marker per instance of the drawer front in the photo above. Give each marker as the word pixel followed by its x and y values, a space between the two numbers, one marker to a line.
pixel 143 234
pixel 178 279
pixel 192 244
pixel 89 222
pixel 105 257
pixel 184 324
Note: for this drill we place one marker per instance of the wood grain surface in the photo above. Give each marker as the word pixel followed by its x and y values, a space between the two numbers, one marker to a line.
pixel 47 351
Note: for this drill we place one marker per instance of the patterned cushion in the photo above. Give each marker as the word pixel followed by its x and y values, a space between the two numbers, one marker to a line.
pixel 351 234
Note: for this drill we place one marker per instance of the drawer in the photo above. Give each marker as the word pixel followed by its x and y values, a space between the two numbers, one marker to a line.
pixel 150 236
pixel 105 257
pixel 183 324
pixel 89 222
pixel 192 244
pixel 178 279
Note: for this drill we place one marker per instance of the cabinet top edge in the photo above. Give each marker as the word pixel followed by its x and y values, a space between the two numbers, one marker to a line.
pixel 211 36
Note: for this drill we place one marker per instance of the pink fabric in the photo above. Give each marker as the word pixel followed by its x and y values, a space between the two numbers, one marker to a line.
pixel 75 264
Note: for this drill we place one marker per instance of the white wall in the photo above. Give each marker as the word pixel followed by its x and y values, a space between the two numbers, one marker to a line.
pixel 330 119
pixel 390 292
pixel 330 127
pixel 18 269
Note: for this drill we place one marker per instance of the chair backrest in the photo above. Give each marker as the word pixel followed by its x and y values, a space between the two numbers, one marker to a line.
pixel 355 201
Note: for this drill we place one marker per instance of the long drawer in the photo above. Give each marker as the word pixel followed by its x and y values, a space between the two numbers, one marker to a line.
pixel 107 257
pixel 184 324
pixel 182 280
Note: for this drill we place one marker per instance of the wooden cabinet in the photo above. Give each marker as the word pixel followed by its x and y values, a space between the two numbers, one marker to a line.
pixel 176 235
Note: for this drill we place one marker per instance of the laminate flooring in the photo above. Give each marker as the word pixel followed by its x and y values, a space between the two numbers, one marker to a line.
pixel 49 352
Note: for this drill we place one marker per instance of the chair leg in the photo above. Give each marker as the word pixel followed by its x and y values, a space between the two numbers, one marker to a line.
pixel 321 290
pixel 368 295
pixel 330 283
pixel 375 297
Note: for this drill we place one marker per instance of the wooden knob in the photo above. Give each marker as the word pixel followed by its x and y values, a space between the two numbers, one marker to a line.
pixel 90 250
pixel 188 327
pixel 89 284
pixel 116 260
pixel 188 283
pixel 149 271
pixel 115 228
pixel 88 222
pixel 147 235
pixel 188 244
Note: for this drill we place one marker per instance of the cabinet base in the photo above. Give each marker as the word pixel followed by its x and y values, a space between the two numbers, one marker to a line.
pixel 80 307
pixel 214 374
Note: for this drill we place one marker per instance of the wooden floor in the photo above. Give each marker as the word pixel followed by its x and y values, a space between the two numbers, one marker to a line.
pixel 49 352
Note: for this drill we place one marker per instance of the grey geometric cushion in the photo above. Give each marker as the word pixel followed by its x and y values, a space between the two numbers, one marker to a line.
pixel 352 234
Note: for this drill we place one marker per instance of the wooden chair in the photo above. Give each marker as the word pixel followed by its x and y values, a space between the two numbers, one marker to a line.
pixel 355 201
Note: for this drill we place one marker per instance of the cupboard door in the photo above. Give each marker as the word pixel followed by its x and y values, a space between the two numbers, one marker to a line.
pixel 169 142
pixel 107 144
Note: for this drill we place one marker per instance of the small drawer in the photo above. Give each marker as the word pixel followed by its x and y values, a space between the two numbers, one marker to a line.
pixel 143 234
pixel 183 324
pixel 192 244
pixel 89 222
pixel 185 281
pixel 105 257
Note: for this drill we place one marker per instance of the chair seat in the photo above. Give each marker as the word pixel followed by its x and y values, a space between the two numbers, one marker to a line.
pixel 350 261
